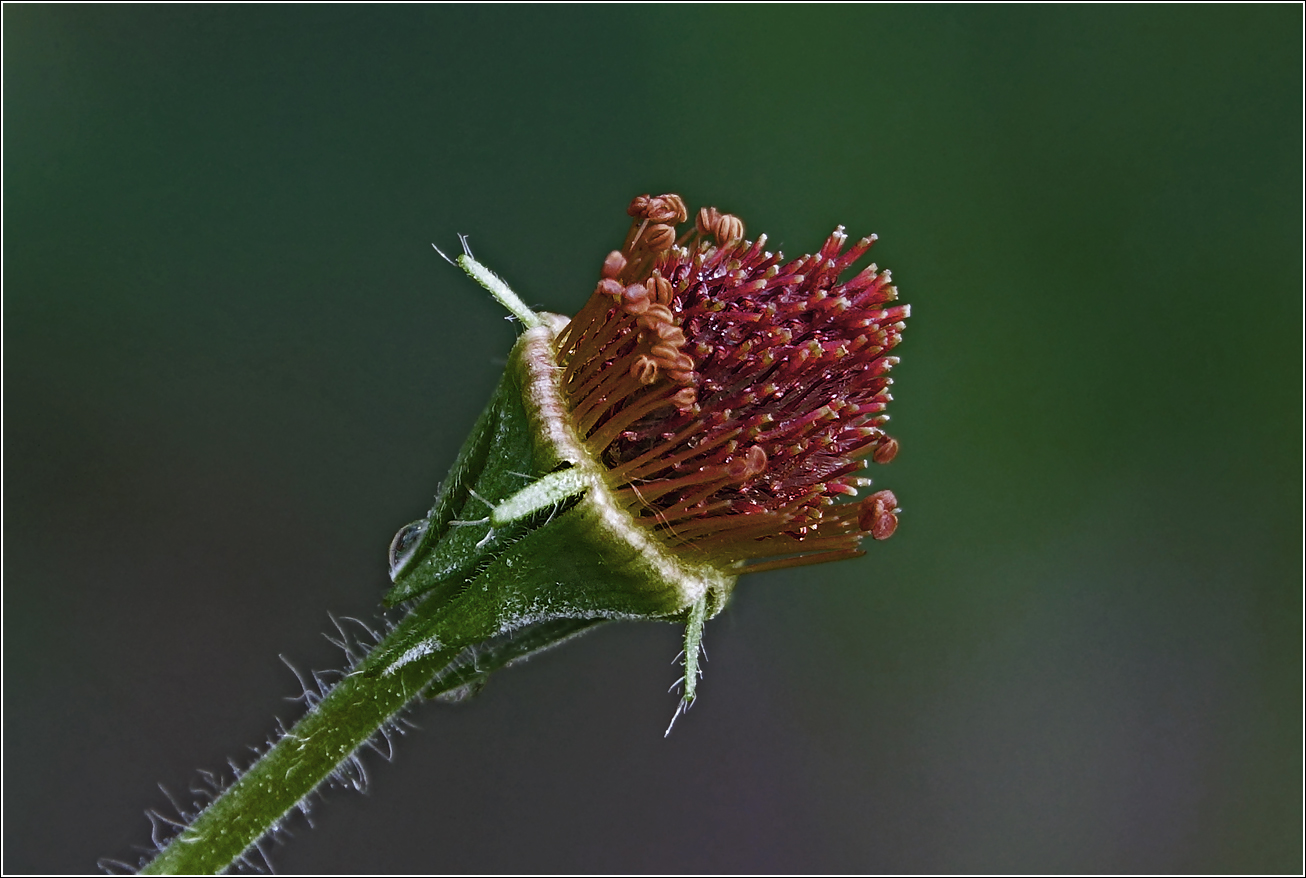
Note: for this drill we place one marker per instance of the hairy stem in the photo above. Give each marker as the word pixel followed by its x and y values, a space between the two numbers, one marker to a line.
pixel 353 711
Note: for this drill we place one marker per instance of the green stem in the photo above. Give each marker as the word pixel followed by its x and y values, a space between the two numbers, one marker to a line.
pixel 351 713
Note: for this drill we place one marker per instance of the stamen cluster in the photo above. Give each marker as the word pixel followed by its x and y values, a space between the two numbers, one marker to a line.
pixel 734 396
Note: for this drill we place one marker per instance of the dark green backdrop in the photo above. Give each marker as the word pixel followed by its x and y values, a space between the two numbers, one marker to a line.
pixel 233 367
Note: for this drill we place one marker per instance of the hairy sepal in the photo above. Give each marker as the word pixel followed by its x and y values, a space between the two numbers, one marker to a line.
pixel 527 530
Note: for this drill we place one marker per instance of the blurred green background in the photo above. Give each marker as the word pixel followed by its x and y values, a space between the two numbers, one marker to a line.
pixel 233 366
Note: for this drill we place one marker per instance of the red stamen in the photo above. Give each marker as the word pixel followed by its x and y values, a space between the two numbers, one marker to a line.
pixel 732 394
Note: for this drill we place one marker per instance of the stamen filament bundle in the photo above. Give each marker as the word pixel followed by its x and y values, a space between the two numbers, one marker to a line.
pixel 732 395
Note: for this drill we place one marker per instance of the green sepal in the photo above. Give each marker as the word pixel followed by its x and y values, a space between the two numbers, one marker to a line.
pixel 696 619
pixel 497 460
pixel 585 563
pixel 564 547
pixel 499 288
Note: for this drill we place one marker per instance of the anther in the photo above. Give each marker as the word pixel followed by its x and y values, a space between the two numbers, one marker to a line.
pixel 609 287
pixel 638 205
pixel 644 370
pixel 634 299
pixel 886 450
pixel 728 228
pixel 706 220
pixel 668 359
pixel 655 316
pixel 876 516
pixel 614 264
pixel 684 399
pixel 664 352
pixel 751 463
pixel 660 237
pixel 669 208
pixel 671 334
pixel 660 288
pixel 683 363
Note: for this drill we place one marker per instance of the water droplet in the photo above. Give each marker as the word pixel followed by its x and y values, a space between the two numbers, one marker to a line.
pixel 404 544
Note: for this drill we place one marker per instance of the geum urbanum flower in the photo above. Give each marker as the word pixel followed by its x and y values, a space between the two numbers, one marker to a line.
pixel 732 396
pixel 707 413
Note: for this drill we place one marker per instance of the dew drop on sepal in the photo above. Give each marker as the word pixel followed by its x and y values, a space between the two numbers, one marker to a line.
pixel 405 542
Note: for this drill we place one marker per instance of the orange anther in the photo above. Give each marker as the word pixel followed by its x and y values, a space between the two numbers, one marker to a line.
pixel 672 335
pixel 876 515
pixel 728 228
pixel 655 316
pixel 634 299
pixel 609 287
pixel 638 205
pixel 660 288
pixel 685 398
pixel 664 352
pixel 706 220
pixel 669 208
pixel 614 264
pixel 660 237
pixel 886 450
pixel 644 370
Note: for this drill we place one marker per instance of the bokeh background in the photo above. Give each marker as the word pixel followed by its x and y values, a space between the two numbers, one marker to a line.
pixel 233 366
